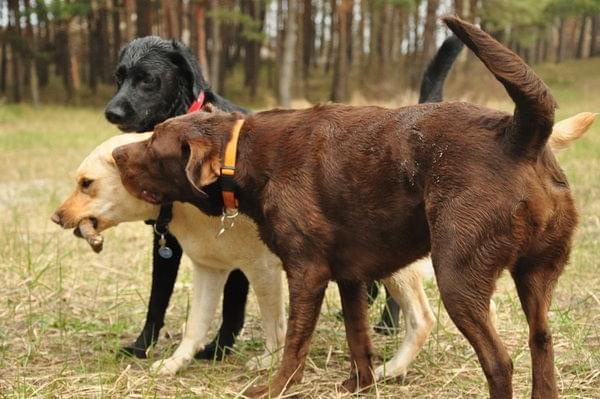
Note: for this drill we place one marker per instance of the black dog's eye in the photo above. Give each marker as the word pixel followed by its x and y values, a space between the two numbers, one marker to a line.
pixel 85 183
pixel 148 80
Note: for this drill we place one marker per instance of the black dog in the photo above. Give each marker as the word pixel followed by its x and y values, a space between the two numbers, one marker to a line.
pixel 158 79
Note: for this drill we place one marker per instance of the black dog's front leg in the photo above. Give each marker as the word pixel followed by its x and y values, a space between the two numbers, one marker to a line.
pixel 164 273
pixel 388 325
pixel 235 295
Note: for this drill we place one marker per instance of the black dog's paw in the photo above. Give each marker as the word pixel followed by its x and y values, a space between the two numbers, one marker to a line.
pixel 213 351
pixel 133 351
pixel 388 325
pixel 385 329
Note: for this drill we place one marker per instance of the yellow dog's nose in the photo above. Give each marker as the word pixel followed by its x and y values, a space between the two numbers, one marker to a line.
pixel 57 218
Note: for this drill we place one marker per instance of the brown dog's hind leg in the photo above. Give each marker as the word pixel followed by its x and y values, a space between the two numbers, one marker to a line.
pixel 535 284
pixel 466 284
pixel 307 283
pixel 354 306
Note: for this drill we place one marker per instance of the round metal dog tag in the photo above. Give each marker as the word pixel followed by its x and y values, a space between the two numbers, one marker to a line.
pixel 165 252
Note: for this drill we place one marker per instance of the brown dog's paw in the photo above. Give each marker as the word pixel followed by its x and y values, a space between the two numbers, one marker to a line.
pixel 265 391
pixel 358 383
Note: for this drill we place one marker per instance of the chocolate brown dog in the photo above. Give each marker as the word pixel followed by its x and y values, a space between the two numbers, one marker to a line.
pixel 352 193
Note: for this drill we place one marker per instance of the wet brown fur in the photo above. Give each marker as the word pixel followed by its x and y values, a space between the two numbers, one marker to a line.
pixel 352 193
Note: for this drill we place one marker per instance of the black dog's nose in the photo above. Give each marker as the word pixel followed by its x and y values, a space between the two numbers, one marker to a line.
pixel 115 115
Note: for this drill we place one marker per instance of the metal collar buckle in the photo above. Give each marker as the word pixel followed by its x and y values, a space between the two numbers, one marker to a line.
pixel 163 250
pixel 227 220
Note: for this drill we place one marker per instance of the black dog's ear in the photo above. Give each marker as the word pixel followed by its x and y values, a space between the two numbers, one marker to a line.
pixel 183 58
pixel 202 168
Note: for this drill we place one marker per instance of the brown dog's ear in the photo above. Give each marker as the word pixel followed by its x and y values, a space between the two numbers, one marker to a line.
pixel 202 168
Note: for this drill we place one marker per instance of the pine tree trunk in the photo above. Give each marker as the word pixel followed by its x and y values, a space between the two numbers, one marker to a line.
pixel 129 8
pixel 32 53
pixel 143 9
pixel 339 91
pixel 169 19
pixel 116 25
pixel 459 8
pixel 200 30
pixel 14 32
pixel 63 54
pixel 561 40
pixel 3 66
pixel 102 33
pixel 361 39
pixel 215 54
pixel 286 74
pixel 308 33
pixel 581 41
pixel 594 36
pixel 332 35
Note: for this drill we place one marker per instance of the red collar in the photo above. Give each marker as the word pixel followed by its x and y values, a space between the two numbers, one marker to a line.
pixel 197 104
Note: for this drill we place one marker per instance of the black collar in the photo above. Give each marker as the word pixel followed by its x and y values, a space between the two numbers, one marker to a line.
pixel 161 224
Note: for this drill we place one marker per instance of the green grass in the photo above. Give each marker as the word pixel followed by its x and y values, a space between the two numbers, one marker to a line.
pixel 65 311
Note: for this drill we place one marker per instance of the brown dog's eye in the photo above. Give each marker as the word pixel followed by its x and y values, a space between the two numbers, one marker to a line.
pixel 85 183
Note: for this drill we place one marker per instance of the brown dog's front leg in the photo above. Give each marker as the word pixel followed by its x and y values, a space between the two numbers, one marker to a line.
pixel 354 306
pixel 307 283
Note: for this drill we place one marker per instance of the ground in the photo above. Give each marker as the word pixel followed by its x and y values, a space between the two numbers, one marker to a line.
pixel 65 311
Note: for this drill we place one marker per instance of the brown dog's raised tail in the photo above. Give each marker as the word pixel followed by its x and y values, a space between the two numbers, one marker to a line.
pixel 534 112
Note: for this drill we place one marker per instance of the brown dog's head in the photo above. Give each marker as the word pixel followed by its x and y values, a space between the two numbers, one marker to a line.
pixel 182 156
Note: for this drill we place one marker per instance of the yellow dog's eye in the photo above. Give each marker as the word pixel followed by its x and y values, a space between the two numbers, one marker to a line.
pixel 85 183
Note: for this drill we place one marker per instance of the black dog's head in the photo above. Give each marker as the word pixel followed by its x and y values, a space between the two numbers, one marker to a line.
pixel 156 79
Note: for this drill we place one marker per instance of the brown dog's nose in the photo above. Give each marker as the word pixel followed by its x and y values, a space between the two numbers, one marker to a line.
pixel 57 218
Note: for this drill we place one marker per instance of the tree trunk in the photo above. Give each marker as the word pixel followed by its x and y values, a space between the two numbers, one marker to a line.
pixel 339 91
pixel 332 35
pixel 257 11
pixel 286 74
pixel 215 54
pixel 14 32
pixel 102 34
pixel 143 9
pixel 169 19
pixel 116 25
pixel 199 13
pixel 308 33
pixel 581 41
pixel 361 38
pixel 459 8
pixel 63 55
pixel 594 36
pixel 430 28
pixel 3 66
pixel 31 56
pixel 561 40
pixel 129 8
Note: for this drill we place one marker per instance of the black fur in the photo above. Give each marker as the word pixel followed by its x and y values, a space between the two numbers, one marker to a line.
pixel 432 85
pixel 158 79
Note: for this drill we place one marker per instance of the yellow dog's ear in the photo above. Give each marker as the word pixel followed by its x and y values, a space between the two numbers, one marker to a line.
pixel 203 168
pixel 570 129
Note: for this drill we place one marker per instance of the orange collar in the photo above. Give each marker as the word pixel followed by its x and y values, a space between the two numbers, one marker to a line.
pixel 228 168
